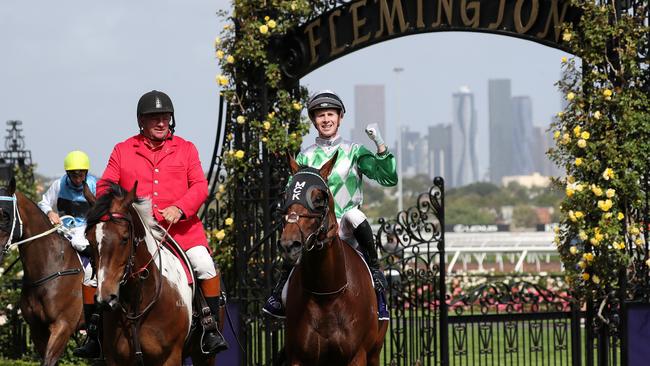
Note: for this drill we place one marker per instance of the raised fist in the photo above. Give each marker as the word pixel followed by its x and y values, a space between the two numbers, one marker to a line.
pixel 372 130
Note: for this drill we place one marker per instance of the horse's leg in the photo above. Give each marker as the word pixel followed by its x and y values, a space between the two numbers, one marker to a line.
pixel 60 333
pixel 360 359
pixel 39 339
pixel 373 355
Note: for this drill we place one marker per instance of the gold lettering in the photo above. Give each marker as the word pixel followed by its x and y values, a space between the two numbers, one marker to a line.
pixel 420 21
pixel 476 7
pixel 358 23
pixel 388 17
pixel 313 41
pixel 519 26
pixel 497 23
pixel 334 50
pixel 448 5
pixel 557 20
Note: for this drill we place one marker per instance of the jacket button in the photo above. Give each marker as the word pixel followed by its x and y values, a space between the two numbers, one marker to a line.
pixel 155 193
pixel 156 170
pixel 154 206
pixel 155 181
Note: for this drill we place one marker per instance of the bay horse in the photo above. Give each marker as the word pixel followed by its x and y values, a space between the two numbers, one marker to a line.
pixel 142 285
pixel 331 305
pixel 50 300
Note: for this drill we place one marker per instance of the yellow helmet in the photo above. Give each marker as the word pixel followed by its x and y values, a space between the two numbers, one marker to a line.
pixel 76 160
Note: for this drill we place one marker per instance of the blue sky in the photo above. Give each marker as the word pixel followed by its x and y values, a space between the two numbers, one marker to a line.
pixel 73 71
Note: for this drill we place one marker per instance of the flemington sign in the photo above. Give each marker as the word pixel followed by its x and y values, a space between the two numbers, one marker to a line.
pixel 361 23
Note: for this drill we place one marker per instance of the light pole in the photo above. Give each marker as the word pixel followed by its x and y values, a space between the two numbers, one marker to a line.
pixel 400 201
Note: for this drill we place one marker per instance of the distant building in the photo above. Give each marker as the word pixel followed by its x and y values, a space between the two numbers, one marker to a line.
pixel 463 136
pixel 528 181
pixel 439 157
pixel 411 152
pixel 501 129
pixel 369 107
pixel 523 141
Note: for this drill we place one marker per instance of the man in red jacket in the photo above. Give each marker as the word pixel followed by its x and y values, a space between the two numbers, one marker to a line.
pixel 168 170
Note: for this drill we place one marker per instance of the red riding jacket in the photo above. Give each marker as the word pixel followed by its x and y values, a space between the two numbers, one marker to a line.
pixel 174 178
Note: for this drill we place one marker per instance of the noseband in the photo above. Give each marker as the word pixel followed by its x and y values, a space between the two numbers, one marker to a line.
pixel 15 226
pixel 312 242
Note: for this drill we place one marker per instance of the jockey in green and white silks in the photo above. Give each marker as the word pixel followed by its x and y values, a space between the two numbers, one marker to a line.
pixel 65 198
pixel 354 161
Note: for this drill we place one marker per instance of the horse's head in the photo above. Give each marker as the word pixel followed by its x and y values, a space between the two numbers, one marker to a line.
pixel 309 217
pixel 9 225
pixel 111 232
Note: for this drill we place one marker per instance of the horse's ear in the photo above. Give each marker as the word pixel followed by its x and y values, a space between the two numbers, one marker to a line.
pixel 12 186
pixel 293 165
pixel 131 196
pixel 326 169
pixel 88 195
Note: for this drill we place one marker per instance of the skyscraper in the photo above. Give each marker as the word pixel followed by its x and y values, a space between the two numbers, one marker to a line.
pixel 369 107
pixel 501 129
pixel 439 159
pixel 523 141
pixel 463 135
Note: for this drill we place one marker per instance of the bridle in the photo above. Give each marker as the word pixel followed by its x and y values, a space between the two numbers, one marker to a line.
pixel 295 195
pixel 15 226
pixel 140 274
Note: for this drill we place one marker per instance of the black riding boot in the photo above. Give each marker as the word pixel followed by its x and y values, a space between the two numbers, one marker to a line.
pixel 213 341
pixel 363 234
pixel 273 305
pixel 92 347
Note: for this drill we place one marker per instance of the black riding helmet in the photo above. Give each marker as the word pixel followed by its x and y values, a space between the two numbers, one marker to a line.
pixel 156 102
pixel 322 100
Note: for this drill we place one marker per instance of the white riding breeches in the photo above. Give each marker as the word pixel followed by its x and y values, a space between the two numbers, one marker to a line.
pixel 89 280
pixel 348 222
pixel 201 262
pixel 78 237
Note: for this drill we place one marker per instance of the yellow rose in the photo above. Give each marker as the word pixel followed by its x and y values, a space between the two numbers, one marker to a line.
pixel 271 23
pixel 583 236
pixel 638 241
pixel 585 276
pixel 266 125
pixel 220 54
pixel 239 154
pixel 228 221
pixel 578 161
pixel 566 138
pixel 579 214
pixel 582 265
pixel 607 93
pixel 217 42
pixel 573 250
pixel 595 279
pixel 297 106
pixel 582 143
pixel 566 36
pixel 293 5
pixel 610 193
pixel 585 135
pixel 597 115
pixel 222 80
pixel 266 18
pixel 230 59
pixel 579 187
pixel 634 230
pixel 220 235
pixel 241 119
pixel 292 135
pixel 608 173
pixel 271 114
pixel 597 191
pixel 647 263
pixel 605 205
pixel 570 96
pixel 556 135
pixel 576 131
pixel 569 191
pixel 221 188
pixel 588 257
pixel 264 29
pixel 264 139
pixel 572 216
pixel 564 59
pixel 620 216
pixel 560 114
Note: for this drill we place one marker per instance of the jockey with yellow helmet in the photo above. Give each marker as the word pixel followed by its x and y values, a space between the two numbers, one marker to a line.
pixel 65 197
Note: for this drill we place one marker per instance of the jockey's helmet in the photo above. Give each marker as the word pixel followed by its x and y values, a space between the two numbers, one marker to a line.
pixel 322 100
pixel 76 160
pixel 156 102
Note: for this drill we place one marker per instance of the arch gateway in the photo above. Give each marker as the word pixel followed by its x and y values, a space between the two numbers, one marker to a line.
pixel 265 51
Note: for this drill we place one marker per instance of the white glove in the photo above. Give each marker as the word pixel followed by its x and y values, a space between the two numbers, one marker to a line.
pixel 372 130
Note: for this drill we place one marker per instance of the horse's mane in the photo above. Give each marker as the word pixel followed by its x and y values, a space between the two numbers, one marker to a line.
pixel 141 205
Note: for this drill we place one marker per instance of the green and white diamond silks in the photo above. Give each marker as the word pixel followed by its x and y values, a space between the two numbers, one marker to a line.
pixel 353 162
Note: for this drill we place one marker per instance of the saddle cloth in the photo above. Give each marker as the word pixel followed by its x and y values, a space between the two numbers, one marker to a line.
pixel 176 249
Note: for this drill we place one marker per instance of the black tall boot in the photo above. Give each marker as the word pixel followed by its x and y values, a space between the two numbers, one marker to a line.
pixel 213 341
pixel 92 347
pixel 363 234
pixel 273 305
